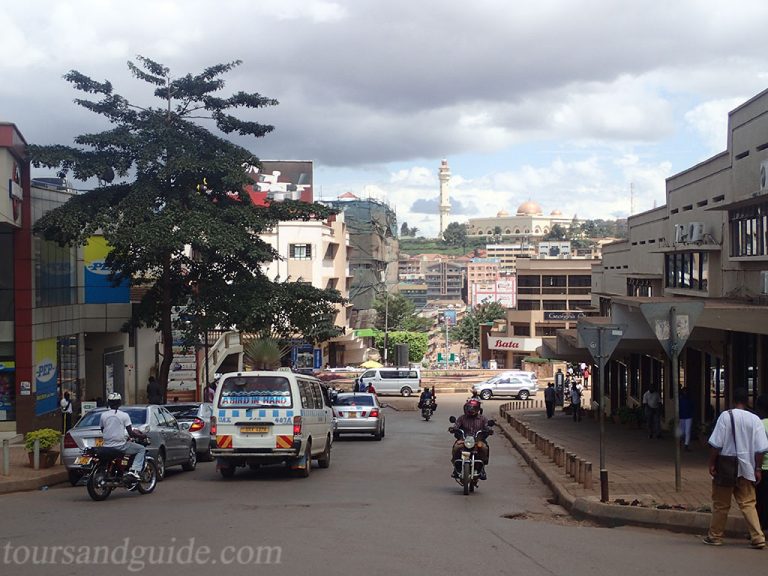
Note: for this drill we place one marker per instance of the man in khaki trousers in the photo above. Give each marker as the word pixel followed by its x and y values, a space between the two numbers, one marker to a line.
pixel 740 433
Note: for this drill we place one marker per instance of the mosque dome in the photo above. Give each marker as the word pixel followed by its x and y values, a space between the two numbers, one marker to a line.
pixel 556 213
pixel 502 214
pixel 529 208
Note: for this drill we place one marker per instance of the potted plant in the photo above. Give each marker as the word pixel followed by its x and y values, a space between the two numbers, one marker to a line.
pixel 49 438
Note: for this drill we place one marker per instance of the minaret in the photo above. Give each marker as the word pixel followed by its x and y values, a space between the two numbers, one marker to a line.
pixel 445 205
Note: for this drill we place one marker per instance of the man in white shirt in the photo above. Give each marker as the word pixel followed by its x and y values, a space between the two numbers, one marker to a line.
pixel 116 429
pixel 739 433
pixel 66 410
pixel 652 410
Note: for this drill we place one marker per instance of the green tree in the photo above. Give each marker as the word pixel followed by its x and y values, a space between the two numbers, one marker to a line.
pixel 400 314
pixel 557 232
pixel 417 344
pixel 404 229
pixel 167 184
pixel 455 234
pixel 467 330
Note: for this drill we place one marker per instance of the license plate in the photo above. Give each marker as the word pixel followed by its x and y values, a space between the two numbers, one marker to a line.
pixel 465 455
pixel 254 429
pixel 83 460
pixel 351 414
pixel 99 442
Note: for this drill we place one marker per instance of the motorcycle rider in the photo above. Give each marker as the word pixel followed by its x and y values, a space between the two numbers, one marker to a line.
pixel 116 430
pixel 471 422
pixel 427 398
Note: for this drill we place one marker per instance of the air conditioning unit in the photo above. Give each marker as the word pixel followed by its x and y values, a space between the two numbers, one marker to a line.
pixel 681 233
pixel 764 281
pixel 696 232
pixel 764 176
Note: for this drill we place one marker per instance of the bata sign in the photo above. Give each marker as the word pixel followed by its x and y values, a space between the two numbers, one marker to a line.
pixel 521 344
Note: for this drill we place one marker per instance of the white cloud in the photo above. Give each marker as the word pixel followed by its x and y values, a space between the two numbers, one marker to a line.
pixel 710 121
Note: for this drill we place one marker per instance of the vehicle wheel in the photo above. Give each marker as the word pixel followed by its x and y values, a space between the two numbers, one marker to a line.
pixel 471 486
pixel 466 477
pixel 206 456
pixel 336 435
pixel 406 391
pixel 378 435
pixel 148 479
pixel 97 488
pixel 325 460
pixel 383 430
pixel 228 472
pixel 191 462
pixel 74 476
pixel 522 395
pixel 160 464
pixel 307 470
pixel 486 394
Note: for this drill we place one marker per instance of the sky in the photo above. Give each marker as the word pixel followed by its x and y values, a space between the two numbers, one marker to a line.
pixel 581 106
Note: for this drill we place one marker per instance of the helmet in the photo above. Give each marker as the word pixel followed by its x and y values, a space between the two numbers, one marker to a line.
pixel 114 399
pixel 472 407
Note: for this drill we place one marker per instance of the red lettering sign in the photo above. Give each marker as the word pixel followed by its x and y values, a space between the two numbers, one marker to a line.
pixel 508 344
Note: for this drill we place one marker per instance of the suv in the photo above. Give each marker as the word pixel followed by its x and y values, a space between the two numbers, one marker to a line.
pixel 519 384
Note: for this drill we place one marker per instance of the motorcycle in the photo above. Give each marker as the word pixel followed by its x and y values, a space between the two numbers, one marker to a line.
pixel 469 466
pixel 427 409
pixel 107 468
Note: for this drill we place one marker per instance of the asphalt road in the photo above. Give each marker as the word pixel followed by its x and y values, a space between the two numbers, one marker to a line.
pixel 386 507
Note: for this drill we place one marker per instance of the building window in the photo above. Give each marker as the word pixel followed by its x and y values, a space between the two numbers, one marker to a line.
pixel 555 305
pixel 522 330
pixel 547 330
pixel 687 270
pixel 301 252
pixel 748 229
pixel 528 305
pixel 55 280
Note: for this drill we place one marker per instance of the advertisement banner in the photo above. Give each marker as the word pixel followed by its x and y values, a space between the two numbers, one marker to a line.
pixel 98 288
pixel 46 376
pixel 7 390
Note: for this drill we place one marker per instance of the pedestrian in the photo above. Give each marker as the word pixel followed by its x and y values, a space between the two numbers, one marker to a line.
pixel 559 387
pixel 576 402
pixel 586 375
pixel 761 490
pixel 686 418
pixel 370 389
pixel 740 436
pixel 66 411
pixel 549 399
pixel 154 394
pixel 210 391
pixel 652 411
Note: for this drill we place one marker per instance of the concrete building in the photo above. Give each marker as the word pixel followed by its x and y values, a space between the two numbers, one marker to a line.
pixel 508 254
pixel 709 245
pixel 446 282
pixel 552 294
pixel 416 293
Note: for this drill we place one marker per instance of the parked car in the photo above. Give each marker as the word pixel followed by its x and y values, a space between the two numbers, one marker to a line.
pixel 358 413
pixel 169 444
pixel 517 384
pixel 195 418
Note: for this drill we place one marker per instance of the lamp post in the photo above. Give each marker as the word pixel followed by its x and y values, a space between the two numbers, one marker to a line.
pixel 386 323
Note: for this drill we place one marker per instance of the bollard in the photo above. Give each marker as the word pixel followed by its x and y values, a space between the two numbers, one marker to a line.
pixel 588 475
pixel 558 455
pixel 570 468
pixel 61 450
pixel 6 457
pixel 580 471
pixel 567 463
pixel 36 455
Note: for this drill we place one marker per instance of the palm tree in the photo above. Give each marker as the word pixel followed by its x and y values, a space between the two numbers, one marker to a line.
pixel 263 353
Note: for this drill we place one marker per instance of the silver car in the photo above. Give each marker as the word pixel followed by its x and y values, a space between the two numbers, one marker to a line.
pixel 170 445
pixel 517 384
pixel 195 418
pixel 358 413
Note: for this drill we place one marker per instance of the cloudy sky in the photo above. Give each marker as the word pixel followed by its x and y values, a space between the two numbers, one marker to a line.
pixel 568 103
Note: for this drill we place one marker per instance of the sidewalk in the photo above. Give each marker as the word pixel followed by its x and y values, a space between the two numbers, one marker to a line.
pixel 24 477
pixel 641 471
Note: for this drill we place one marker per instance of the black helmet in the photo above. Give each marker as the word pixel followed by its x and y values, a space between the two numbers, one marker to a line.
pixel 472 407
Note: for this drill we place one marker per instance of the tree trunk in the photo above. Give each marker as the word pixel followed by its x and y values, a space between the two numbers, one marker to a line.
pixel 166 330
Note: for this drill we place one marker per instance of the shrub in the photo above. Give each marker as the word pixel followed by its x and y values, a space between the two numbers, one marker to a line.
pixel 48 439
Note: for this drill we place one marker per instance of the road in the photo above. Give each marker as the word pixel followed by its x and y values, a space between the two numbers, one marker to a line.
pixel 385 507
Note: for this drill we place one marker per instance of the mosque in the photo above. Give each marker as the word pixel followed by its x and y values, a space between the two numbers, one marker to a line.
pixel 528 224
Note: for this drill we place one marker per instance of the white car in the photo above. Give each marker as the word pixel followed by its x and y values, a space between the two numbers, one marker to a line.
pixel 521 385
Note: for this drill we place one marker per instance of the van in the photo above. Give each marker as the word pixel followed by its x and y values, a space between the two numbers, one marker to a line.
pixel 403 381
pixel 271 417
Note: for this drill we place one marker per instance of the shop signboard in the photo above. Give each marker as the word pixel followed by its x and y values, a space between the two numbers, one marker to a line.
pixel 46 376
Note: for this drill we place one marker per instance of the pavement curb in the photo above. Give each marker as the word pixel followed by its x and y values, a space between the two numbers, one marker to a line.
pixel 8 487
pixel 616 515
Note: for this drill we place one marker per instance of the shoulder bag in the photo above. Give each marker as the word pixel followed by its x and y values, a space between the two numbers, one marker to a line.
pixel 727 467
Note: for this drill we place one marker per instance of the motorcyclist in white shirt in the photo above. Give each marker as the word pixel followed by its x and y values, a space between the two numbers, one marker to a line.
pixel 116 430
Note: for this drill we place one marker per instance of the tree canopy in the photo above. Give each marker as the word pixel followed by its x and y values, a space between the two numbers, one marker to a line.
pixel 172 205
pixel 455 234
pixel 400 314
pixel 467 330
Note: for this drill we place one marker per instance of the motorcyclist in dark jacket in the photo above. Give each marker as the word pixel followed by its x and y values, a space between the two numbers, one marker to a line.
pixel 471 422
pixel 427 397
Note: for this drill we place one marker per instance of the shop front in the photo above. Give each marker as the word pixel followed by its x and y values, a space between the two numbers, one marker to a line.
pixel 508 352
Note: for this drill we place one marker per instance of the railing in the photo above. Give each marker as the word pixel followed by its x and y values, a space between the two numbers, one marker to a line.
pixel 575 467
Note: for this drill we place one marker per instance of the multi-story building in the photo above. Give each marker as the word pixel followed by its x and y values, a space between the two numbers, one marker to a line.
pixel 374 249
pixel 446 282
pixel 707 246
pixel 483 270
pixel 552 294
pixel 508 255
pixel 416 293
